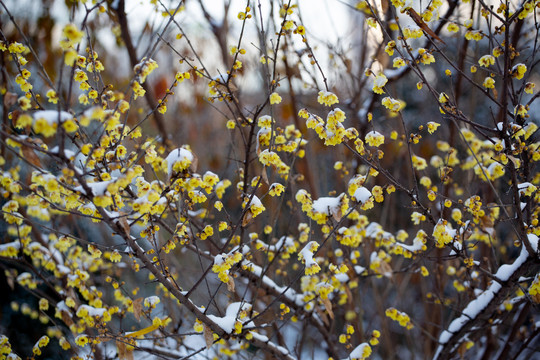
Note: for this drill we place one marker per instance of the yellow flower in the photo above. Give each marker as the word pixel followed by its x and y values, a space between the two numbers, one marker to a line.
pixel 389 49
pixel 80 76
pixel 374 138
pixel 23 121
pixel 276 189
pixel 52 97
pixel 529 87
pixel 426 57
pixel 443 98
pixel 43 304
pixel 489 83
pixel 519 71
pixel 393 105
pixel 275 98
pixel 81 340
pixel 137 89
pixel 398 62
pixel 115 256
pixel 417 217
pixel 70 57
pixel 64 343
pixel 327 98
pixel 70 126
pixel 432 126
pixel 300 30
pixel 17 48
pixel 73 34
pixel 486 60
pixel 419 163
pixel 412 32
pixel 452 27
pixel 378 84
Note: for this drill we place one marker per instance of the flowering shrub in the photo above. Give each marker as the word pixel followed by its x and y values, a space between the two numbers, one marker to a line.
pixel 211 200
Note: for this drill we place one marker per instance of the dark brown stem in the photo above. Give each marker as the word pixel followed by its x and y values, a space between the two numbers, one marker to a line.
pixel 132 53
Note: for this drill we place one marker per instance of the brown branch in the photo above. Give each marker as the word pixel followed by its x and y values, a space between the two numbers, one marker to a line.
pixel 476 326
pixel 132 53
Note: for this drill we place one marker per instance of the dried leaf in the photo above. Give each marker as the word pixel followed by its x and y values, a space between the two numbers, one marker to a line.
pixel 349 294
pixel 122 221
pixel 123 352
pixel 265 176
pixel 208 336
pixel 420 22
pixel 247 218
pixel 137 308
pixel 10 99
pixel 384 5
pixel 323 316
pixel 66 318
pixel 31 156
pixel 194 163
pixel 230 284
pixel 462 349
pixel 337 214
pixel 386 269
pixel 11 280
pixel 328 306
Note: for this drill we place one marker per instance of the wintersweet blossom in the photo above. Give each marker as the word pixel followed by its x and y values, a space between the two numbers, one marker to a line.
pixel 378 83
pixel 486 60
pixel 452 27
pixel 432 126
pixel 392 104
pixel 374 138
pixel 275 98
pixel 398 62
pixel 418 162
pixel 306 256
pixel 489 83
pixel 72 33
pixel 402 318
pixel 327 98
pixel 519 71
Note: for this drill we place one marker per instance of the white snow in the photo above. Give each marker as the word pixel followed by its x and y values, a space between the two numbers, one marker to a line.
pixel 255 201
pixel 476 306
pixel 14 244
pixel 358 352
pixel 61 306
pixel 359 269
pixel 52 116
pixel 98 188
pixel 342 277
pixel 67 153
pixel 175 156
pixel 307 254
pixel 373 133
pixel 227 322
pixel 92 311
pixel 64 270
pixel 533 240
pixel 327 205
pixel 362 194
pixel 261 338
pixel 151 300
pixel 283 243
pixel 289 293
pixel 417 245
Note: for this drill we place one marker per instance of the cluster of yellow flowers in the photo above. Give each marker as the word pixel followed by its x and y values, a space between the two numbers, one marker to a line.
pixel 402 318
pixel 224 262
